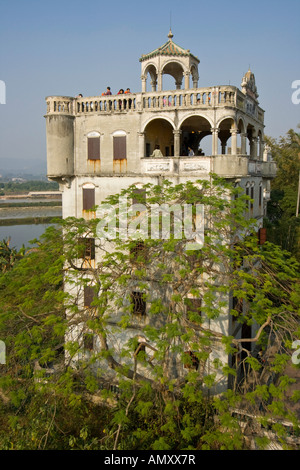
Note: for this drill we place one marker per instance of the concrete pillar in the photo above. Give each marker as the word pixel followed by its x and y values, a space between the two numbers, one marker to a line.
pixel 261 148
pixel 243 143
pixel 177 134
pixel 159 81
pixel 144 83
pixel 187 80
pixel 233 133
pixel 253 148
pixel 153 85
pixel 215 132
pixel 141 144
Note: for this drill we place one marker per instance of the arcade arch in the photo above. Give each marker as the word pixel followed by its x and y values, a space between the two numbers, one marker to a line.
pixel 159 133
pixel 196 133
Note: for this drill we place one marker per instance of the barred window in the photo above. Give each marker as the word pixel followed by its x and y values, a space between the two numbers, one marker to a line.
pixel 139 303
pixel 87 248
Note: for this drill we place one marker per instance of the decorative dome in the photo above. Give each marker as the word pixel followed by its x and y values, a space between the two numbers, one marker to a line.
pixel 248 85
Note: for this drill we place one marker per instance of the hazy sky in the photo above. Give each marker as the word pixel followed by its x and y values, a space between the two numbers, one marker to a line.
pixel 65 47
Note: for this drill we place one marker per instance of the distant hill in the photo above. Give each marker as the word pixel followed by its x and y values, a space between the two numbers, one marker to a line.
pixel 18 167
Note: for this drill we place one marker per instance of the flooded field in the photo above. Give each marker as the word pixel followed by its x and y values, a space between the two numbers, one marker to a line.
pixel 22 224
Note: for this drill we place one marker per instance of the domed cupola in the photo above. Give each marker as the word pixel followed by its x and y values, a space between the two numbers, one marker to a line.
pixel 169 59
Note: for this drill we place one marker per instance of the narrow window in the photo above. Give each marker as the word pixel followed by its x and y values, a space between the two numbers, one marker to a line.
pixel 260 196
pixel 252 198
pixel 120 147
pixel 193 309
pixel 88 197
pixel 139 304
pixel 88 341
pixel 190 360
pixel 248 194
pixel 88 295
pixel 93 148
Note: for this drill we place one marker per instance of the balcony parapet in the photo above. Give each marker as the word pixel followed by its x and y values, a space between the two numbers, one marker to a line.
pixel 230 166
pixel 226 166
pixel 176 165
pixel 262 168
pixel 203 98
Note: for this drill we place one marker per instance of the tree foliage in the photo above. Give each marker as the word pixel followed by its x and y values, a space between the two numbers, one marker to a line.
pixel 282 221
pixel 143 363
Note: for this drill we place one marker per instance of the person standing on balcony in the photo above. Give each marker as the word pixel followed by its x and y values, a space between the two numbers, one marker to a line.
pixel 190 152
pixel 108 92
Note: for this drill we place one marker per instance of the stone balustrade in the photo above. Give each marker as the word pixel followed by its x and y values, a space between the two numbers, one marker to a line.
pixel 153 101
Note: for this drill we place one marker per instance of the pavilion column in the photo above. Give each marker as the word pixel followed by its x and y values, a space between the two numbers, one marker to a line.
pixel 159 81
pixel 144 83
pixel 233 133
pixel 187 80
pixel 177 134
pixel 215 132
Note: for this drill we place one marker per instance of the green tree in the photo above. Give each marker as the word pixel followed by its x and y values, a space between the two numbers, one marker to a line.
pixel 150 321
pixel 284 224
pixel 8 255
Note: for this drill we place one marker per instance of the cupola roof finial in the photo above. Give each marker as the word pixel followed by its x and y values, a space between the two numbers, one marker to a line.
pixel 170 35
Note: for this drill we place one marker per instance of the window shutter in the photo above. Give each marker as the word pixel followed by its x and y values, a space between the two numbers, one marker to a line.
pixel 94 148
pixel 120 148
pixel 88 196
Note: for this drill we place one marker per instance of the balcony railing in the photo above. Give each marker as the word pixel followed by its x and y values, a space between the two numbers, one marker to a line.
pixel 153 101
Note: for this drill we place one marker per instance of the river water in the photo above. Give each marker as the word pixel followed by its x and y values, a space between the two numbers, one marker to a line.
pixel 22 234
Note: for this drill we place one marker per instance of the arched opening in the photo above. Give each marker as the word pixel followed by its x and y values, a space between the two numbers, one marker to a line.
pixel 159 134
pixel 151 72
pixel 225 143
pixel 196 134
pixel 172 76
